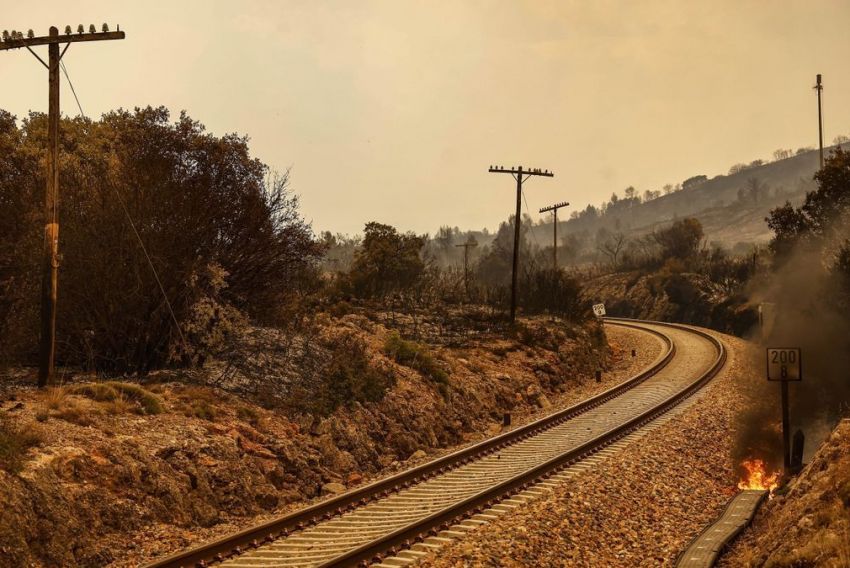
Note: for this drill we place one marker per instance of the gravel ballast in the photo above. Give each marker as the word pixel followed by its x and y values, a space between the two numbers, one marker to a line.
pixel 641 507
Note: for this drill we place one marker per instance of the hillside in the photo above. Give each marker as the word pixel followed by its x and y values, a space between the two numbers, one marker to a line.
pixel 727 217
pixel 685 298
pixel 112 473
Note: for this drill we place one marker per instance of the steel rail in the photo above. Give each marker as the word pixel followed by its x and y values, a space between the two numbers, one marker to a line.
pixel 255 536
pixel 402 539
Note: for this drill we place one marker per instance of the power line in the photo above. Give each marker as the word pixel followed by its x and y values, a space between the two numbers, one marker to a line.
pixel 528 210
pixel 150 263
pixel 73 91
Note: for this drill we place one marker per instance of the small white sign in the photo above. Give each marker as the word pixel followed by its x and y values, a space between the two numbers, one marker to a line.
pixel 599 310
pixel 784 364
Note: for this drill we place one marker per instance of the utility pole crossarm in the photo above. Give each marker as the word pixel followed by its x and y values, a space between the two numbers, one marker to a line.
pixel 554 207
pixel 20 41
pixel 50 265
pixel 520 170
pixel 517 173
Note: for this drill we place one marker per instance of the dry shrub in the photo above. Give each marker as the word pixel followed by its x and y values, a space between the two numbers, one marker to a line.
pixel 75 412
pixel 119 405
pixel 55 398
pixel 306 369
pixel 118 395
pixel 347 377
pixel 199 402
pixel 248 414
pixel 15 440
pixel 416 356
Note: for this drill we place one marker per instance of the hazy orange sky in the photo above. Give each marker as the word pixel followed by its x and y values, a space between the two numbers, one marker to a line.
pixel 393 110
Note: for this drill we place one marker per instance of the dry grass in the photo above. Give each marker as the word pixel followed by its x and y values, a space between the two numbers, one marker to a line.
pixel 248 414
pixel 198 402
pixel 200 409
pixel 146 400
pixel 121 397
pixel 121 405
pixel 55 397
pixel 75 412
pixel 416 356
pixel 843 549
pixel 59 403
pixel 15 440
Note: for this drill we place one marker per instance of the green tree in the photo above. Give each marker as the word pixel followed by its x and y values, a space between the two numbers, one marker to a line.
pixel 680 240
pixel 387 261
pixel 196 201
pixel 819 214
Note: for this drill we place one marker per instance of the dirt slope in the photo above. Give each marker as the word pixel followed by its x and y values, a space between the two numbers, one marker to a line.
pixel 109 484
pixel 683 298
pixel 810 524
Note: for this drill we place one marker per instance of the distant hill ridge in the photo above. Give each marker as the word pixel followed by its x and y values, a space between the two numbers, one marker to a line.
pixel 730 212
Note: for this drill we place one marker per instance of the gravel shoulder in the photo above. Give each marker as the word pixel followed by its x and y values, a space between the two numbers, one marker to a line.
pixel 638 508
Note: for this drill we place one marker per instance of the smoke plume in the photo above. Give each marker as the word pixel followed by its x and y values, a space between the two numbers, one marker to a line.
pixel 809 304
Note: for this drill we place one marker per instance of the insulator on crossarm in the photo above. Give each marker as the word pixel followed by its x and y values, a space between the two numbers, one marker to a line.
pixel 67 30
pixel 80 29
pixel 30 34
pixel 92 29
pixel 105 28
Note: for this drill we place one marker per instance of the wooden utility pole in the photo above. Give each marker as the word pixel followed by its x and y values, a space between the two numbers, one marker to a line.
pixel 518 174
pixel 50 266
pixel 819 88
pixel 554 209
pixel 466 245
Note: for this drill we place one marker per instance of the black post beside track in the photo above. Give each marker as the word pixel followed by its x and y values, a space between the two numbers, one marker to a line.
pixel 283 526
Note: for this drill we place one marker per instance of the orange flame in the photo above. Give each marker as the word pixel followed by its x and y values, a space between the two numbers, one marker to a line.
pixel 757 476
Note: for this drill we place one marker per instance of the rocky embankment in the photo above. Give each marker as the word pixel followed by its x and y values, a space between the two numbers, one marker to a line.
pixel 122 475
pixel 640 507
pixel 808 522
pixel 677 297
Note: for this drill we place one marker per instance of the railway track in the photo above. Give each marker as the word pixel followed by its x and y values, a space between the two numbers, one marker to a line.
pixel 400 518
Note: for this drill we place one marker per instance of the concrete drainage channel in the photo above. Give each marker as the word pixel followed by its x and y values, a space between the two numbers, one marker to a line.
pixel 398 520
pixel 707 546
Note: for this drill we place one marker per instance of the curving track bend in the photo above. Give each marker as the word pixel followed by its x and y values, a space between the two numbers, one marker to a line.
pixel 398 524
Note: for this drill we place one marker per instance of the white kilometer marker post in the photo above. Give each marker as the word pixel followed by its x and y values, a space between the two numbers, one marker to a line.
pixel 785 364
